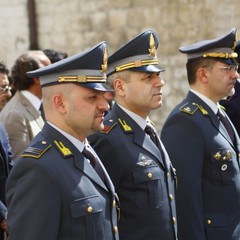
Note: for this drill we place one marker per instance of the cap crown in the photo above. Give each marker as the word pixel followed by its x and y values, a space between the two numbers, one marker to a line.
pixel 87 68
pixel 139 54
pixel 220 48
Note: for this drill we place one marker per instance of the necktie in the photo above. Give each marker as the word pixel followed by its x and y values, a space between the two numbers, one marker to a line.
pixel 153 135
pixel 226 124
pixel 94 161
pixel 42 112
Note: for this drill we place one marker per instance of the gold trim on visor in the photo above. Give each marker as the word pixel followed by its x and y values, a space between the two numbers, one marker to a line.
pixel 81 79
pixel 137 63
pixel 220 55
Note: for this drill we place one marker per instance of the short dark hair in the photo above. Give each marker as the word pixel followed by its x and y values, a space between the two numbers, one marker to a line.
pixel 24 63
pixel 54 55
pixel 193 65
pixel 3 68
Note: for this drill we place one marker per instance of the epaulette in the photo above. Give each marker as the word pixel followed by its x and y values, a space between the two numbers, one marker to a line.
pixel 36 150
pixel 108 126
pixel 125 126
pixel 192 107
pixel 65 151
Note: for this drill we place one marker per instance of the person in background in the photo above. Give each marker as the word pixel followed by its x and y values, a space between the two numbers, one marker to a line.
pixel 139 167
pixel 21 115
pixel 5 149
pixel 58 189
pixel 231 104
pixel 204 146
pixel 5 89
pixel 54 55
pixel 5 95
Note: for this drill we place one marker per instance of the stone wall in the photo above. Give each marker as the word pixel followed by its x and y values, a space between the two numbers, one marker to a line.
pixel 76 25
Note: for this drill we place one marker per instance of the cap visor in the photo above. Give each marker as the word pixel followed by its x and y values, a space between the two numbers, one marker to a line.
pixel 148 68
pixel 98 86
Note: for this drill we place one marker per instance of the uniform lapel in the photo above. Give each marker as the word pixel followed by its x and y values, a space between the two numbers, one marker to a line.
pixel 140 138
pixel 213 118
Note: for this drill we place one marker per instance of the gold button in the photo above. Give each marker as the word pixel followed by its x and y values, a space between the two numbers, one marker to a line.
pixel 209 221
pixel 171 197
pixel 115 229
pixel 114 203
pixel 174 220
pixel 89 209
pixel 149 175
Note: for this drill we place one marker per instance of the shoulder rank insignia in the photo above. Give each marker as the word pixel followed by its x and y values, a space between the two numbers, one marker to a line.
pixel 124 125
pixel 108 126
pixel 192 107
pixel 64 150
pixel 36 150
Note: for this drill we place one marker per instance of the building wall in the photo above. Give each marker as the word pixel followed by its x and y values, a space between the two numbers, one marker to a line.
pixel 76 25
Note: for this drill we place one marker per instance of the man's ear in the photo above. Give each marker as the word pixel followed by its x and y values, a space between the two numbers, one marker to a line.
pixel 59 103
pixel 202 75
pixel 119 86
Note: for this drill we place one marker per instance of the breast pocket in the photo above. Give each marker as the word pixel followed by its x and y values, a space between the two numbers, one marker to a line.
pixel 87 220
pixel 222 167
pixel 149 186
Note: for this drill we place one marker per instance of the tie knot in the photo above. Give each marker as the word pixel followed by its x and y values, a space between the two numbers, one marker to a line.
pixel 149 129
pixel 88 154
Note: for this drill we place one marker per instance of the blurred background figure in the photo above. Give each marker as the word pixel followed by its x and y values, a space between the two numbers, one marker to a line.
pixel 5 149
pixel 54 55
pixel 232 103
pixel 5 89
pixel 5 95
pixel 21 116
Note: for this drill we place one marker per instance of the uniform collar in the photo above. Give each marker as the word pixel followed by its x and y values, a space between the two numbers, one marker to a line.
pixel 139 120
pixel 208 101
pixel 78 144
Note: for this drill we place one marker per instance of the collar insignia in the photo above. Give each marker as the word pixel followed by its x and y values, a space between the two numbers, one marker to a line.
pixel 64 150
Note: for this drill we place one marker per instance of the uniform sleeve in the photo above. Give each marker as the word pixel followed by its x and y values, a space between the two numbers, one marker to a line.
pixel 33 202
pixel 185 146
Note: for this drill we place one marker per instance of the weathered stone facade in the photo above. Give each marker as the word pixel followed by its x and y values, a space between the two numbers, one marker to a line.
pixel 76 25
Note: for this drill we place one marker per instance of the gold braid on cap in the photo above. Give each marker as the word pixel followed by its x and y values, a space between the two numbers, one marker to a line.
pixel 81 79
pixel 152 49
pixel 104 65
pixel 220 55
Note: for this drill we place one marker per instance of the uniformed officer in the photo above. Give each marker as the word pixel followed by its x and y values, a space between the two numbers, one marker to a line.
pixel 140 169
pixel 58 189
pixel 204 145
pixel 232 103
